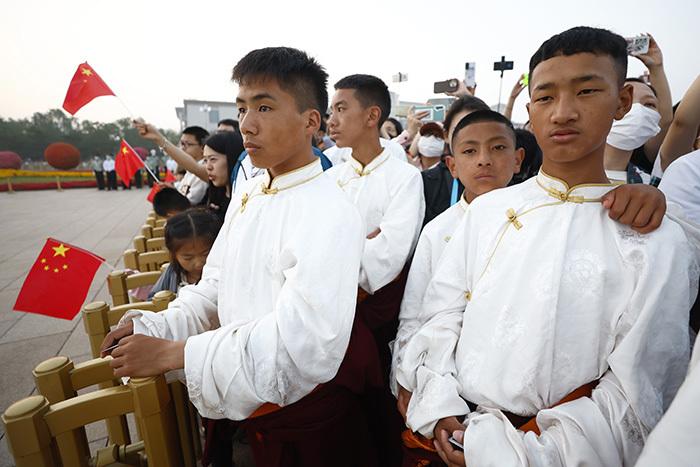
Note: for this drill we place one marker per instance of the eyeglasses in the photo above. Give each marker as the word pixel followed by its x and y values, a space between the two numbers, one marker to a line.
pixel 185 144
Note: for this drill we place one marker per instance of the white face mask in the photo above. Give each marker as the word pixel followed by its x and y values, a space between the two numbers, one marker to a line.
pixel 431 146
pixel 636 128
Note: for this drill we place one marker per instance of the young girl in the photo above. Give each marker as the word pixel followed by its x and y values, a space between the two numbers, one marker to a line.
pixel 221 151
pixel 188 237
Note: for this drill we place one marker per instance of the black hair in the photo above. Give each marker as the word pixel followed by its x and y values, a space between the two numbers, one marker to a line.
pixel 199 133
pixel 639 80
pixel 467 102
pixel 533 156
pixel 584 39
pixel 169 200
pixel 480 116
pixel 230 122
pixel 295 72
pixel 230 144
pixel 187 226
pixel 369 90
pixel 397 125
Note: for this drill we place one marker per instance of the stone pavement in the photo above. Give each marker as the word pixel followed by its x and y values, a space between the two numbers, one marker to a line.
pixel 99 221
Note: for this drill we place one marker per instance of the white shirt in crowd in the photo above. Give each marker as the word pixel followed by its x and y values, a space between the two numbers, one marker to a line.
pixel 432 242
pixel 620 176
pixel 681 185
pixel 538 293
pixel 193 187
pixel 389 195
pixel 271 317
pixel 339 155
pixel 108 165
pixel 674 441
pixel 171 165
pixel 246 172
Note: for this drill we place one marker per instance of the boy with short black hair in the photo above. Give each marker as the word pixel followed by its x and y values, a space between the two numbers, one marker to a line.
pixel 388 193
pixel 168 202
pixel 262 336
pixel 547 323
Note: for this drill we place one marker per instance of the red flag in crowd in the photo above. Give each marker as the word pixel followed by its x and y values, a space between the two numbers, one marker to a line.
pixel 59 281
pixel 84 87
pixel 127 163
pixel 169 178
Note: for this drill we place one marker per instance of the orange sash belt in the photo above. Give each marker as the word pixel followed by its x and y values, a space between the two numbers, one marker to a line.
pixel 417 441
pixel 268 407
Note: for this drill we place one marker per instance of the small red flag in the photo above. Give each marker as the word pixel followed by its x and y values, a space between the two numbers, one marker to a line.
pixel 155 189
pixel 59 281
pixel 169 178
pixel 84 87
pixel 127 163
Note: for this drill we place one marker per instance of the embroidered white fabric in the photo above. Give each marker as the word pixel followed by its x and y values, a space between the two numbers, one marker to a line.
pixel 616 301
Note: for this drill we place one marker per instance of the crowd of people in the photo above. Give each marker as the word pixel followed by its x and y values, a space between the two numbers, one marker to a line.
pixel 354 290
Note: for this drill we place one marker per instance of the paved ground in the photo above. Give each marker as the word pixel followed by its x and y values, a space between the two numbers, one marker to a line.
pixel 102 222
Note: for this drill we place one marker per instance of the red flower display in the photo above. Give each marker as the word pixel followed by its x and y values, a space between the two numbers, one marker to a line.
pixel 62 156
pixel 10 160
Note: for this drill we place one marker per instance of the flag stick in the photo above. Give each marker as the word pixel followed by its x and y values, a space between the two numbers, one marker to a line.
pixel 155 179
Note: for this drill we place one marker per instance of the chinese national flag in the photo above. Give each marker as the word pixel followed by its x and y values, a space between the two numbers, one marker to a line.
pixel 59 280
pixel 84 87
pixel 169 178
pixel 127 163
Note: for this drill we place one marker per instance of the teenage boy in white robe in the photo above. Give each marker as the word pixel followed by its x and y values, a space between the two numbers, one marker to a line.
pixel 389 195
pixel 264 332
pixel 486 161
pixel 555 336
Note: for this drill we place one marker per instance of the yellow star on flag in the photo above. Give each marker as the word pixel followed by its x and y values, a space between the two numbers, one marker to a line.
pixel 124 150
pixel 59 250
pixel 86 71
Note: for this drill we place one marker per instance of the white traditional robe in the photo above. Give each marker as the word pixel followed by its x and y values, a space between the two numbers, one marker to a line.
pixel 538 293
pixel 432 242
pixel 389 195
pixel 338 155
pixel 272 315
pixel 246 172
pixel 675 441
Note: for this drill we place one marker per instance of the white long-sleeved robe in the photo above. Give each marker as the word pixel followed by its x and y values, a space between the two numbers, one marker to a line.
pixel 675 440
pixel 272 315
pixel 431 243
pixel 519 318
pixel 389 195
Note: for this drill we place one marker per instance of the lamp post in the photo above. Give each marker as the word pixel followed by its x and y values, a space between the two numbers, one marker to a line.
pixel 206 108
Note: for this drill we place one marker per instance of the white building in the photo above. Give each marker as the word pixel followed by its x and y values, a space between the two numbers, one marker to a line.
pixel 205 113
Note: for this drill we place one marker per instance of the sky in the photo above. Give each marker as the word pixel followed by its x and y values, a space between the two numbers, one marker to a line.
pixel 154 54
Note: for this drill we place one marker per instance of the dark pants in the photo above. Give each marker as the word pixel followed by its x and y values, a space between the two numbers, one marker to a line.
pixel 138 179
pixel 100 177
pixel 111 180
pixel 326 428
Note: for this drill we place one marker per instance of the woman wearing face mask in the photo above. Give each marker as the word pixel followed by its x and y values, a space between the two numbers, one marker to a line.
pixel 637 127
pixel 221 150
pixel 428 146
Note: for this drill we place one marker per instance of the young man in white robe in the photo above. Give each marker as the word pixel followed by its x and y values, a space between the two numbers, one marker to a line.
pixel 554 335
pixel 262 336
pixel 389 195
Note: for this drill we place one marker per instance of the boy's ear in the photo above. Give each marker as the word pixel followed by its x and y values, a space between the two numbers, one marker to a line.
pixel 313 121
pixel 450 163
pixel 624 103
pixel 519 156
pixel 374 113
